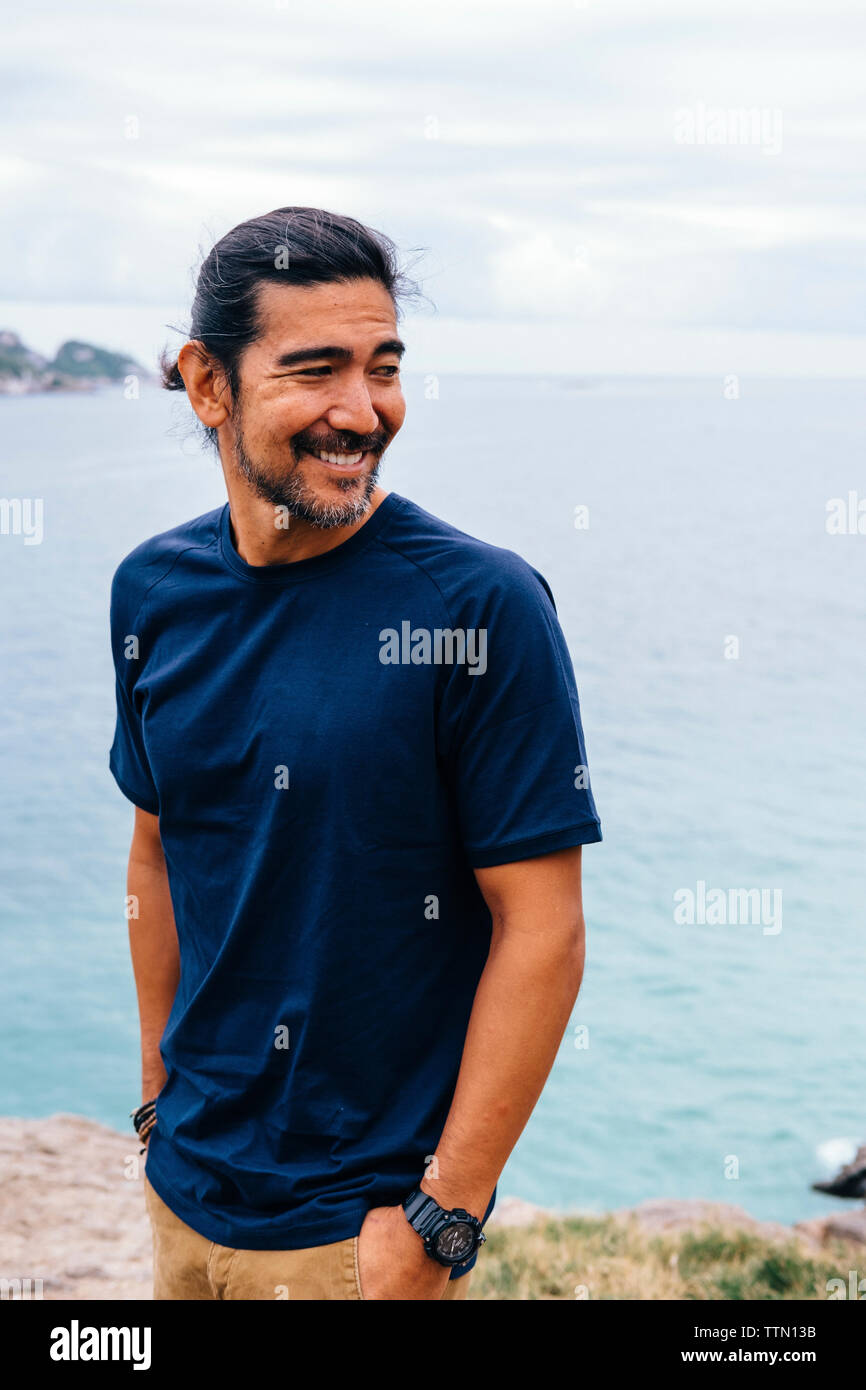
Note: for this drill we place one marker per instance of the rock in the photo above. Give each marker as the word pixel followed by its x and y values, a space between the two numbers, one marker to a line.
pixel 665 1214
pixel 83 360
pixel 72 1209
pixel 20 368
pixel 77 366
pixel 671 1214
pixel 514 1211
pixel 850 1181
pixel 844 1225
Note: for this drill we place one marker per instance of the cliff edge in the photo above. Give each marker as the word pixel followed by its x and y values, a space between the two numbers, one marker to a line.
pixel 72 1214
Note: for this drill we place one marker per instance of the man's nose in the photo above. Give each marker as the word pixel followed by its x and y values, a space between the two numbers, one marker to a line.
pixel 353 410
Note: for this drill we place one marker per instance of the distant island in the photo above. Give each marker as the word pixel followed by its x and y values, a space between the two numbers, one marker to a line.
pixel 76 367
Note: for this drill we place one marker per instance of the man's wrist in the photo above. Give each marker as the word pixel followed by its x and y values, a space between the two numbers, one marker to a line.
pixel 453 1194
pixel 152 1081
pixel 450 1235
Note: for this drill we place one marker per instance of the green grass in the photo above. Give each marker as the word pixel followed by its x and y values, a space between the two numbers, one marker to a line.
pixel 608 1258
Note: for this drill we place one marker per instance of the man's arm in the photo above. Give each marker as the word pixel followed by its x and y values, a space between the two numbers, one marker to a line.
pixel 521 1009
pixel 153 946
pixel 522 1006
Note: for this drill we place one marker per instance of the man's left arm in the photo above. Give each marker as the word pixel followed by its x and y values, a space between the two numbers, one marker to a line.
pixel 522 1006
pixel 521 1009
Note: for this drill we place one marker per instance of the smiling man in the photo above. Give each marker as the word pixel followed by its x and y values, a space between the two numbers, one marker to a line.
pixel 357 877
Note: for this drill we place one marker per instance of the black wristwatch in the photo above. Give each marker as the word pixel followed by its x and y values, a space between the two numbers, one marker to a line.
pixel 451 1237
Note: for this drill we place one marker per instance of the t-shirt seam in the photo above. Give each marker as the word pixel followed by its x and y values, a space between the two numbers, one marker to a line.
pixel 458 732
pixel 133 622
pixel 410 560
pixel 562 671
pixel 187 548
pixel 565 686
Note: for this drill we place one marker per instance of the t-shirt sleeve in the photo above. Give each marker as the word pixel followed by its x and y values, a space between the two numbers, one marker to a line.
pixel 510 731
pixel 127 758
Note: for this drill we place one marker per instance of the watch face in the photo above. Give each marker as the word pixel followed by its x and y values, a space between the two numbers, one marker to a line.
pixel 456 1241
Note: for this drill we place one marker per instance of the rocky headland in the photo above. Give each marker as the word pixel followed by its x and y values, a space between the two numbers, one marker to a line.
pixel 72 1215
pixel 77 366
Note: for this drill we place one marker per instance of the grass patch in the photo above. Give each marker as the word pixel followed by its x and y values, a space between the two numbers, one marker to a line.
pixel 582 1258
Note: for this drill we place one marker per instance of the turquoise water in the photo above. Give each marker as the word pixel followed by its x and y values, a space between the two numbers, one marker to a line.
pixel 706 521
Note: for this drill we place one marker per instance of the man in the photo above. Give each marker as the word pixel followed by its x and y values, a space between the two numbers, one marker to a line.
pixel 352 736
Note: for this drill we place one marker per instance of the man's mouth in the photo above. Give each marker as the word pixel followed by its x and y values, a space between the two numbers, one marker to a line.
pixel 339 463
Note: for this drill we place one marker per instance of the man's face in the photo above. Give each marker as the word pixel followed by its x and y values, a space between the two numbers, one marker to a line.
pixel 321 378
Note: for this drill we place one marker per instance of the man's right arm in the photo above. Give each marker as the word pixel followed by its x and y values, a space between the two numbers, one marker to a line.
pixel 153 946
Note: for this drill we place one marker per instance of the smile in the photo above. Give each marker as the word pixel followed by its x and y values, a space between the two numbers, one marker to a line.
pixel 342 463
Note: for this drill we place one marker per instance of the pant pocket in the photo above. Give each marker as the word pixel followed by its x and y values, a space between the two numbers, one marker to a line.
pixel 356 1276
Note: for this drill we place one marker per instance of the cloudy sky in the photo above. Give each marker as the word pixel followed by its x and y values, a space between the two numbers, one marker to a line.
pixel 589 185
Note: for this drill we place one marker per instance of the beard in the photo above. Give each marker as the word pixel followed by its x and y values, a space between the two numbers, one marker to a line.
pixel 301 501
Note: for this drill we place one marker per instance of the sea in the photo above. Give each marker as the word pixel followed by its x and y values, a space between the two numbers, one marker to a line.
pixel 701 539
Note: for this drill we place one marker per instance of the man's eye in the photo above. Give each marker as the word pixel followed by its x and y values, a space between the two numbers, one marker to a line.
pixel 392 370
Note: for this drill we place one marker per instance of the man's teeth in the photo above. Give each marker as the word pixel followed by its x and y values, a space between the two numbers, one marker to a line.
pixel 347 460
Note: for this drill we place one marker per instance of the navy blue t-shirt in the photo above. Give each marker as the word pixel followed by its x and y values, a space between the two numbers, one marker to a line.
pixel 332 746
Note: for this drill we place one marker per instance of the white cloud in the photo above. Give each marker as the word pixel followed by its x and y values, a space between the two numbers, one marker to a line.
pixel 545 277
pixel 532 149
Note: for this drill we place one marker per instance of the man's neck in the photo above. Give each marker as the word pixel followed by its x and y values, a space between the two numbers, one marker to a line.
pixel 258 541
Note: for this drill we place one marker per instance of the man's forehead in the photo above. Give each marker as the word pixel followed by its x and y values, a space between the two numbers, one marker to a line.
pixel 293 309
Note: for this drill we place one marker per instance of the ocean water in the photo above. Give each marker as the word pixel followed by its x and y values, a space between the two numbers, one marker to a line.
pixel 702 1060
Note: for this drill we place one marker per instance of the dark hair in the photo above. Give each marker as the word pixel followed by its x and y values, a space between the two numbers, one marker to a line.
pixel 294 246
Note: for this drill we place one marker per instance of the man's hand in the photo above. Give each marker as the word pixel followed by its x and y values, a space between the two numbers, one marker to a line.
pixel 392 1261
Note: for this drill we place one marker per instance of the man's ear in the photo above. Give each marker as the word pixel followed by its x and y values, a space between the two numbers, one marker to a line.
pixel 205 382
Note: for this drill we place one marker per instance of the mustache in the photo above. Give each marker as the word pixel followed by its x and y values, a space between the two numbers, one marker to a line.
pixel 342 443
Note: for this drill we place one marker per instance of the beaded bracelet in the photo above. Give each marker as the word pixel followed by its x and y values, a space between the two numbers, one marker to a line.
pixel 144 1119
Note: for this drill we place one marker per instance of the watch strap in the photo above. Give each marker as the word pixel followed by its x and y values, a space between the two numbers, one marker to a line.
pixel 422 1211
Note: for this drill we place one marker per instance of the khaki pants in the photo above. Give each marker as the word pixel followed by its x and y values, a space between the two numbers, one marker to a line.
pixel 188 1266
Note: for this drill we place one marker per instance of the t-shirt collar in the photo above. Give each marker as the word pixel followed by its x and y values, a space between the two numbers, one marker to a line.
pixel 313 565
